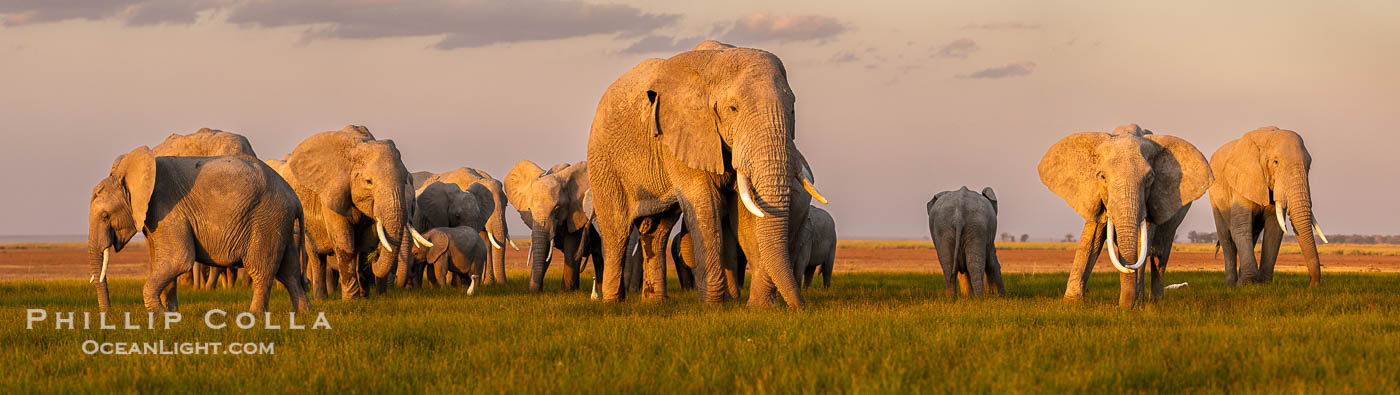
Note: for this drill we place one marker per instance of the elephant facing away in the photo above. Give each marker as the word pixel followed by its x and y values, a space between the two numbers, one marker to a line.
pixel 356 195
pixel 554 205
pixel 442 205
pixel 458 250
pixel 963 226
pixel 683 135
pixel 1261 182
pixel 1133 189
pixel 221 211
pixel 207 142
pixel 494 230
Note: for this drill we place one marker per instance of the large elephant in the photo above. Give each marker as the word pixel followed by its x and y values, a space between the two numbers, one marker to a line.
pixel 207 142
pixel 494 231
pixel 221 211
pixel 1262 179
pixel 1131 187
pixel 963 226
pixel 442 205
pixel 552 203
pixel 457 250
pixel 684 135
pixel 356 195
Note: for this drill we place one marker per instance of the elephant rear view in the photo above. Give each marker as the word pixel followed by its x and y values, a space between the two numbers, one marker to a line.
pixel 1133 188
pixel 963 226
pixel 207 142
pixel 221 211
pixel 1262 179
pixel 355 191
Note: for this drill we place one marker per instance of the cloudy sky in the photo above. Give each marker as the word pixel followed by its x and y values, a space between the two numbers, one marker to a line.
pixel 896 100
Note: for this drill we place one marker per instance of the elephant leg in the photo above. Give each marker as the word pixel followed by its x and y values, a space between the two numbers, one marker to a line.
pixel 172 300
pixel 1242 231
pixel 613 228
pixel 947 260
pixel 680 246
pixel 568 244
pixel 994 279
pixel 653 249
pixel 827 266
pixel 701 216
pixel 974 251
pixel 348 271
pixel 197 276
pixel 1227 246
pixel 211 276
pixel 1130 286
pixel 1090 243
pixel 232 279
pixel 808 273
pixel 166 265
pixel 735 262
pixel 289 274
pixel 1268 251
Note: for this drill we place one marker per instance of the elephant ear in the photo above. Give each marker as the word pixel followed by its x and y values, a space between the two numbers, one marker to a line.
pixel 323 164
pixel 137 170
pixel 518 182
pixel 442 242
pixel 991 196
pixel 575 181
pixel 477 205
pixel 1181 175
pixel 431 206
pixel 928 207
pixel 1069 169
pixel 1243 171
pixel 683 115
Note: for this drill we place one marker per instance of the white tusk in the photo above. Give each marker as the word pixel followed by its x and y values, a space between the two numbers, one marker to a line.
pixel 383 241
pixel 1278 212
pixel 105 253
pixel 549 251
pixel 594 296
pixel 746 195
pixel 1175 286
pixel 1112 251
pixel 472 289
pixel 1319 232
pixel 529 255
pixel 1142 247
pixel 417 238
pixel 636 247
pixel 512 243
pixel 492 237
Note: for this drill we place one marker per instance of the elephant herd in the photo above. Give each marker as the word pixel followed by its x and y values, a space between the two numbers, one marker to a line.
pixel 703 140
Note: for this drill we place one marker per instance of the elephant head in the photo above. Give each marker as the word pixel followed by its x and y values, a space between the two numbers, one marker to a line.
pixel 440 205
pixel 206 142
pixel 723 109
pixel 353 176
pixel 1130 178
pixel 495 227
pixel 1269 166
pixel 549 202
pixel 119 207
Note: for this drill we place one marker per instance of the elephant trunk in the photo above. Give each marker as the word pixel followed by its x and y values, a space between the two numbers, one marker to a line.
pixel 540 238
pixel 1128 234
pixel 394 228
pixel 99 250
pixel 1299 207
pixel 770 167
pixel 497 225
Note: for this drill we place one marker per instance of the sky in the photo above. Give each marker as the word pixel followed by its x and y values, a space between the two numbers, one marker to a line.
pixel 896 101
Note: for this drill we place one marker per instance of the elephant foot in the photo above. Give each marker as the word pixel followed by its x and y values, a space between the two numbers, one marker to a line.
pixel 1074 298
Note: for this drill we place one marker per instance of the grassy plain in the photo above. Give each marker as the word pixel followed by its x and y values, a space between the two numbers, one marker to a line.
pixel 1287 248
pixel 875 332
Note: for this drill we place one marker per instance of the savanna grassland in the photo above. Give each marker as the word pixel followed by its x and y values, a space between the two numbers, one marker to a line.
pixel 882 332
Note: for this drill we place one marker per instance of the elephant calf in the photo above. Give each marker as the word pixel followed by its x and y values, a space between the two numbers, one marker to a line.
pixel 815 247
pixel 459 250
pixel 963 225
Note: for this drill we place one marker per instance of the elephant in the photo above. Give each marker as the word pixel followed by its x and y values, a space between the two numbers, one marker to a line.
pixel 494 231
pixel 217 210
pixel 816 248
pixel 963 227
pixel 1262 181
pixel 1131 187
pixel 457 250
pixel 207 142
pixel 442 205
pixel 684 135
pixel 553 204
pixel 354 191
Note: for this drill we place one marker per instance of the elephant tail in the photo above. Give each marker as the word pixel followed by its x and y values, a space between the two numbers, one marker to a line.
pixel 299 242
pixel 1217 249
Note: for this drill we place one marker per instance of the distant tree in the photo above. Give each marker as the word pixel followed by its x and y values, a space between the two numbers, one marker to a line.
pixel 1007 237
pixel 1025 237
pixel 1069 237
pixel 1193 237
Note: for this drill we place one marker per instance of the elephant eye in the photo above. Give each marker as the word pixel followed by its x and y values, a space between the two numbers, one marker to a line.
pixel 1102 177
pixel 369 181
pixel 733 108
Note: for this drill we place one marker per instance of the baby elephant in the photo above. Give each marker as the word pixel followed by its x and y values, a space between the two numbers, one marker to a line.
pixel 815 247
pixel 458 249
pixel 963 225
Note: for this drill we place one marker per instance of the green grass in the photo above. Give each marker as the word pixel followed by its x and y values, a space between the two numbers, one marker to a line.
pixel 1287 248
pixel 872 332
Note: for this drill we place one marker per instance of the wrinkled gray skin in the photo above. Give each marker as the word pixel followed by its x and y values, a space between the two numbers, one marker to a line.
pixel 1129 177
pixel 815 248
pixel 207 142
pixel 458 250
pixel 963 226
pixel 1256 175
pixel 495 226
pixel 347 180
pixel 670 136
pixel 220 211
pixel 553 204
pixel 442 205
